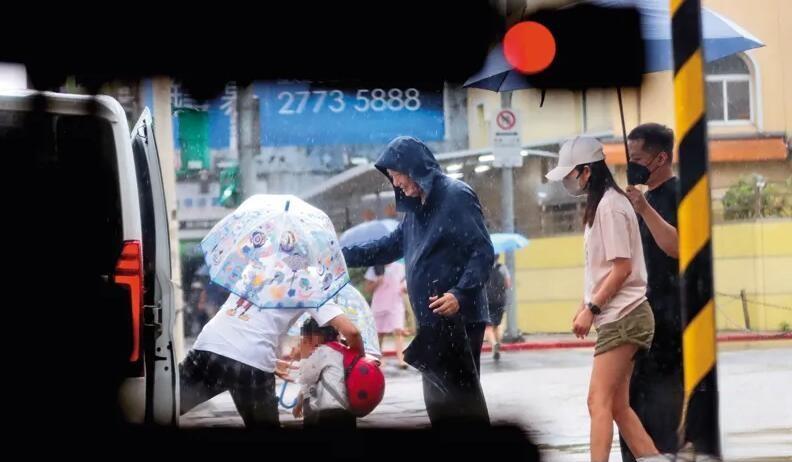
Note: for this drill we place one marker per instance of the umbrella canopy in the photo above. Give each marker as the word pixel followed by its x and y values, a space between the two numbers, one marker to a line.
pixel 276 251
pixel 359 313
pixel 368 231
pixel 722 37
pixel 504 242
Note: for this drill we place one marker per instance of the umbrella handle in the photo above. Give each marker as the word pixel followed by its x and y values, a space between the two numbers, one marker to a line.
pixel 280 398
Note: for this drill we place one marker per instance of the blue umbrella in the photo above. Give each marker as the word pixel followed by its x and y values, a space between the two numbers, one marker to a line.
pixel 504 242
pixel 368 231
pixel 722 38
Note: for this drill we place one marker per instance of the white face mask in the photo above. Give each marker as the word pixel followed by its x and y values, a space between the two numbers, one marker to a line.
pixel 573 187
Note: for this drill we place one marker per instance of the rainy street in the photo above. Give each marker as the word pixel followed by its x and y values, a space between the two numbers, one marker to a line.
pixel 545 392
pixel 494 226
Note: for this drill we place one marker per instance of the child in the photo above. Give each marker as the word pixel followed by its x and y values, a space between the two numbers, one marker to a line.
pixel 323 399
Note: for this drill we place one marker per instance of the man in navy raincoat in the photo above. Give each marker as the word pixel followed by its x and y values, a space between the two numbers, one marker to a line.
pixel 448 256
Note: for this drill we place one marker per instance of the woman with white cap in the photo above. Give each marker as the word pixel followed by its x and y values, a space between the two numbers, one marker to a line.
pixel 614 298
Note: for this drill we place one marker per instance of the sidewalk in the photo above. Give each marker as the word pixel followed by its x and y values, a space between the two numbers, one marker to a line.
pixel 561 341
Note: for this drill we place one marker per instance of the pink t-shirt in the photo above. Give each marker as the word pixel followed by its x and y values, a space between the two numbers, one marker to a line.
pixel 614 234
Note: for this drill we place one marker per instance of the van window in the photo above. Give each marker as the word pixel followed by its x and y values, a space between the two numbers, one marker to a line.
pixel 71 161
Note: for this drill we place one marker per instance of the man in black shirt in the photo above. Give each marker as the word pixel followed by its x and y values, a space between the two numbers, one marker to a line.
pixel 656 391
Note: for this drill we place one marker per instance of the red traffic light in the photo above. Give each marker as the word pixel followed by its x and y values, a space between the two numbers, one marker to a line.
pixel 529 47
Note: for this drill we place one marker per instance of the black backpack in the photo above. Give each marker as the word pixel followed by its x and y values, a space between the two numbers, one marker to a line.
pixel 496 287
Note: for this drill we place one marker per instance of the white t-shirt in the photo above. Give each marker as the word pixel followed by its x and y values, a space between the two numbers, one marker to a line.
pixel 251 335
pixel 614 234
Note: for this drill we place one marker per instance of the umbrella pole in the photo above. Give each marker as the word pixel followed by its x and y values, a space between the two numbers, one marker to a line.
pixel 624 129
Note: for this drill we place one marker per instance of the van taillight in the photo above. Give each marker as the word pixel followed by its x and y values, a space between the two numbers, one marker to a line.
pixel 129 272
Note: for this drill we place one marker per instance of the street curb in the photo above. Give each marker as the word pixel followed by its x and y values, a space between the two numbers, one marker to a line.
pixel 566 344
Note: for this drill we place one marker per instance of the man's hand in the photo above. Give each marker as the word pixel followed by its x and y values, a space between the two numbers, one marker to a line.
pixel 297 412
pixel 447 305
pixel 637 199
pixel 582 324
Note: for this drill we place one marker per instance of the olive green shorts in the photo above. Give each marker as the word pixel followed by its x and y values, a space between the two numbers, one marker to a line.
pixel 636 328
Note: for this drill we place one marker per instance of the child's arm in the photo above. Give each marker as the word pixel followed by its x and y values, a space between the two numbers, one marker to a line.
pixel 298 408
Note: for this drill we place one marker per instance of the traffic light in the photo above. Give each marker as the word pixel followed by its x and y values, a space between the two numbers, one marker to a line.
pixel 583 46
pixel 229 187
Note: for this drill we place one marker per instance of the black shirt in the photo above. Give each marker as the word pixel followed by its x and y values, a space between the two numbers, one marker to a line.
pixel 663 287
pixel 662 270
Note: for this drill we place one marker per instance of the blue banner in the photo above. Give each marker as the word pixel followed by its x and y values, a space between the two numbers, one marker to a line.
pixel 302 114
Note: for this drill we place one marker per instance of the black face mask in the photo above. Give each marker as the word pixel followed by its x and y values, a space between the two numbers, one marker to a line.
pixel 637 173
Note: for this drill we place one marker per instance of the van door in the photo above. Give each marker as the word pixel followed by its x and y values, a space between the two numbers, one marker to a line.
pixel 162 380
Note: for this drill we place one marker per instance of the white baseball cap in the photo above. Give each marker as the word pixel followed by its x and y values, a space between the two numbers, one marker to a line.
pixel 577 151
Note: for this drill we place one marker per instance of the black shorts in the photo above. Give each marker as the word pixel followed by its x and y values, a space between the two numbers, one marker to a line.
pixel 203 375
pixel 496 315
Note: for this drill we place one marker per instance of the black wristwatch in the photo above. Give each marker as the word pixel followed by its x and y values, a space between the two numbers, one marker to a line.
pixel 594 308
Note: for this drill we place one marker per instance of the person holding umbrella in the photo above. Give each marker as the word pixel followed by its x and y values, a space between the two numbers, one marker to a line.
pixel 497 286
pixel 657 391
pixel 280 259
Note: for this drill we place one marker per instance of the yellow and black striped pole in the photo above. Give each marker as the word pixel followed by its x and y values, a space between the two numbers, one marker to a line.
pixel 699 425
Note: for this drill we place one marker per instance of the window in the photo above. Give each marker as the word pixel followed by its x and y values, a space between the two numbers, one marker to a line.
pixel 729 90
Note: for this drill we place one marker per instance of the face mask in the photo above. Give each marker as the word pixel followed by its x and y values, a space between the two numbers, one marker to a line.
pixel 639 174
pixel 573 187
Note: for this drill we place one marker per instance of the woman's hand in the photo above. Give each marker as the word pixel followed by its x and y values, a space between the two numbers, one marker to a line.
pixel 582 324
pixel 283 369
pixel 581 308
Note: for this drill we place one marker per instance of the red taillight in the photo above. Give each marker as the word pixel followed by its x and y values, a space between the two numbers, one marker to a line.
pixel 129 272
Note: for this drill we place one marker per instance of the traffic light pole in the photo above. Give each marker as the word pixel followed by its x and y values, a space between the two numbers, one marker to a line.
pixel 512 334
pixel 248 138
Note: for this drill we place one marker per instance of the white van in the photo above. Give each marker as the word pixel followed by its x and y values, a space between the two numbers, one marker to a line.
pixel 121 214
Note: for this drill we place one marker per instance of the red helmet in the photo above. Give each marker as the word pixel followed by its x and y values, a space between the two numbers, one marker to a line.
pixel 364 381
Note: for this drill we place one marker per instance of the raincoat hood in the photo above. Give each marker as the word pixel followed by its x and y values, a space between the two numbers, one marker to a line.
pixel 412 157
